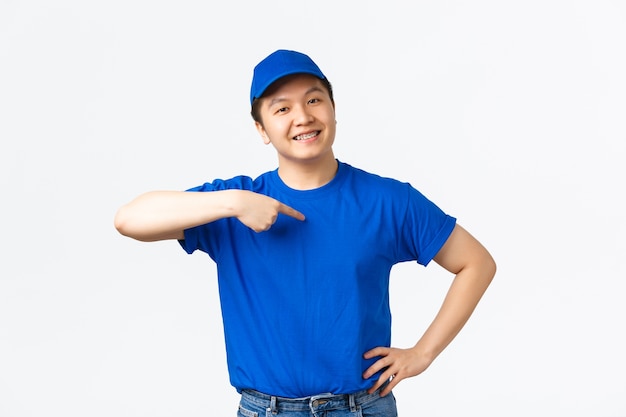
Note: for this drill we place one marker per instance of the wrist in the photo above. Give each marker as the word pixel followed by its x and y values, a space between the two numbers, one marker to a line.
pixel 424 352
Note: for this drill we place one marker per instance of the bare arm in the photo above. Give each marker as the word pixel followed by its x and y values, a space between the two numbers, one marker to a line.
pixel 474 267
pixel 160 215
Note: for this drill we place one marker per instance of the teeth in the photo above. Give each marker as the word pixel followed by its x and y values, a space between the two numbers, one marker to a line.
pixel 307 136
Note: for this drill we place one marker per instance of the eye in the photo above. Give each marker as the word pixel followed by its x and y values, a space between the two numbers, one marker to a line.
pixel 281 110
pixel 314 100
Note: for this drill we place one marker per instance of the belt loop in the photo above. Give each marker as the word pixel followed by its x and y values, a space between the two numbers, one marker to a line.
pixel 273 408
pixel 352 403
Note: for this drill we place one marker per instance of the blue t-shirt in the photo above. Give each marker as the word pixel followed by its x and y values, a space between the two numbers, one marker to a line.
pixel 304 300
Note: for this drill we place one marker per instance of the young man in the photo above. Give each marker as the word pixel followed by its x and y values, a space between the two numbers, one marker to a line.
pixel 304 255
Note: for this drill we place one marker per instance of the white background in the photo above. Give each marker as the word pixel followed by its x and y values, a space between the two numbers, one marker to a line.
pixel 509 115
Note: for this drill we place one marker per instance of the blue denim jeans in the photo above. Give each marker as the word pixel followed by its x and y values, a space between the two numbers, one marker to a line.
pixel 360 404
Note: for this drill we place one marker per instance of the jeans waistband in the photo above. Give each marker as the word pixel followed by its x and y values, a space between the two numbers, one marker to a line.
pixel 320 402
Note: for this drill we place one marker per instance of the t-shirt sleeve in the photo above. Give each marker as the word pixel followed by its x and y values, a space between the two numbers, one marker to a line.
pixel 425 229
pixel 204 237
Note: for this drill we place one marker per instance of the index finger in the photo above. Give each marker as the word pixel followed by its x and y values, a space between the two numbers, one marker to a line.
pixel 285 209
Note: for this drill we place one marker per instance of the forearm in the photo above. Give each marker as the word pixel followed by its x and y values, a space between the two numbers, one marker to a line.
pixel 159 215
pixel 466 290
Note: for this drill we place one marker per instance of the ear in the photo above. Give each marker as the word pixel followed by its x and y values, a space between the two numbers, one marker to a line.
pixel 262 132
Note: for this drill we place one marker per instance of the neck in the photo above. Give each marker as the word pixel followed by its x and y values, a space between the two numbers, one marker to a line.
pixel 308 176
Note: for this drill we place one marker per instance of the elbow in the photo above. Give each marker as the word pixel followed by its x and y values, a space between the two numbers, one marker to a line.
pixel 131 223
pixel 490 267
pixel 122 223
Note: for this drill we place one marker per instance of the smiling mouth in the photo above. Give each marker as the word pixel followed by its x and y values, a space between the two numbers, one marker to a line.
pixel 307 135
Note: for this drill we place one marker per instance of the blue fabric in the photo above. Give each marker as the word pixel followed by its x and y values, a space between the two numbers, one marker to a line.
pixel 304 300
pixel 277 65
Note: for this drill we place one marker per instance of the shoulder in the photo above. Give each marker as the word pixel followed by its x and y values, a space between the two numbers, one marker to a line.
pixel 361 177
pixel 239 182
pixel 368 185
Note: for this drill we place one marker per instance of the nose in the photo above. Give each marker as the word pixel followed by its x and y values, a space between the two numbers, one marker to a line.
pixel 302 115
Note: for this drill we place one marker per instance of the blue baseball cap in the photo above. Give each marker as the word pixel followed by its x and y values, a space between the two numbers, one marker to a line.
pixel 278 65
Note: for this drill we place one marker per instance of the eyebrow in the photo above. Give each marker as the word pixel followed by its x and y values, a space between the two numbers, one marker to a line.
pixel 309 91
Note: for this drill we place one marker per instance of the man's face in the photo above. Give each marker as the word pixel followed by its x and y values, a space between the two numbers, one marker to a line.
pixel 298 119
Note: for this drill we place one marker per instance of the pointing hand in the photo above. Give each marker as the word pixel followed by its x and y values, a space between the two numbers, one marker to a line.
pixel 259 212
